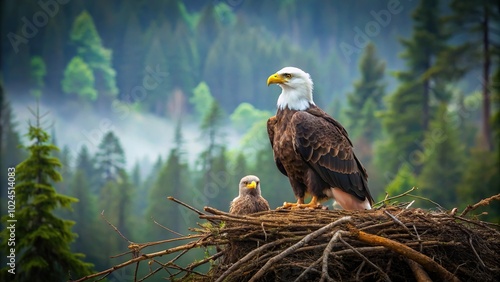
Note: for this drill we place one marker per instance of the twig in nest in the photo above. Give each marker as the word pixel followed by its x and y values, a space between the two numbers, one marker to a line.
pixel 326 254
pixel 397 221
pixel 395 197
pixel 250 255
pixel 483 202
pixel 429 200
pixel 406 251
pixel 418 271
pixel 475 252
pixel 409 205
pixel 297 245
pixel 359 270
pixel 418 238
pixel 309 268
pixel 365 259
pixel 264 230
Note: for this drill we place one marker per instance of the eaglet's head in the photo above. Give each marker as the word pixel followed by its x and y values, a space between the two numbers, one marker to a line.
pixel 297 87
pixel 250 185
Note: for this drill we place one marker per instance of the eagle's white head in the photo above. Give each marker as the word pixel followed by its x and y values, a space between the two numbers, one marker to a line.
pixel 249 185
pixel 297 87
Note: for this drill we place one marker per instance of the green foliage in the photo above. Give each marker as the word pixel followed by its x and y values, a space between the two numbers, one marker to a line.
pixel 246 115
pixel 442 161
pixel 156 59
pixel 37 75
pixel 79 80
pixel 85 216
pixel 403 181
pixel 89 47
pixel 12 155
pixel 42 240
pixel 110 158
pixel 366 99
pixel 173 180
pixel 409 107
pixel 480 180
pixel 476 20
pixel 201 99
pixel 84 32
pixel 211 125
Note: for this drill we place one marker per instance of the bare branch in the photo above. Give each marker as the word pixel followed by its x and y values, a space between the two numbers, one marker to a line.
pixel 399 248
pixel 482 203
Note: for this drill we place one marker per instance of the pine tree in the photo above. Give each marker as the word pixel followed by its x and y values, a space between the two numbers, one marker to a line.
pixel 56 33
pixel 442 161
pixel 110 158
pixel 132 56
pixel 85 214
pixel 173 180
pixel 90 49
pixel 477 19
pixel 211 126
pixel 155 59
pixel 85 164
pixel 42 240
pixel 79 80
pixel 37 76
pixel 366 100
pixel 409 107
pixel 12 155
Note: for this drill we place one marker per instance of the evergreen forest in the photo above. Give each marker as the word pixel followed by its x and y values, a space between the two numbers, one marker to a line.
pixel 109 107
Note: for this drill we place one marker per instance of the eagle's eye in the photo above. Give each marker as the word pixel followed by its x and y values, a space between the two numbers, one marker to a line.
pixel 287 75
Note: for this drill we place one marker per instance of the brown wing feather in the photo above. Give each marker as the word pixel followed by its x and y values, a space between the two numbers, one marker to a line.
pixel 324 144
pixel 271 126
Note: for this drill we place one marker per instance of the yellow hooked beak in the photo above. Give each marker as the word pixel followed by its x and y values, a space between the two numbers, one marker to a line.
pixel 252 185
pixel 275 78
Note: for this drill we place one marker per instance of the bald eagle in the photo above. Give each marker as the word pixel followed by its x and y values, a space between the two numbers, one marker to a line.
pixel 249 199
pixel 313 149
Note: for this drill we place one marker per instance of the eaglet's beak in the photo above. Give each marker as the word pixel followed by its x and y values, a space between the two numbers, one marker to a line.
pixel 275 78
pixel 252 185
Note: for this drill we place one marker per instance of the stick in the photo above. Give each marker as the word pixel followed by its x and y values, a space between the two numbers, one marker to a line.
pixel 309 268
pixel 185 205
pixel 483 202
pixel 326 252
pixel 299 244
pixel 406 251
pixel 116 229
pixel 166 228
pixel 475 252
pixel 395 197
pixel 418 271
pixel 365 259
pixel 250 255
pixel 397 221
pixel 429 200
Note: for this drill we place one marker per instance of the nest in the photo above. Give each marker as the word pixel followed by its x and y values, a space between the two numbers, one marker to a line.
pixel 388 244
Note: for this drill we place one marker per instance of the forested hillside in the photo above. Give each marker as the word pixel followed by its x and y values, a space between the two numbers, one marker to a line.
pixel 149 99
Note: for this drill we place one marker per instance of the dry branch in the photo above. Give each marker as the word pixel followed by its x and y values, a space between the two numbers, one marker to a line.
pixel 482 203
pixel 410 253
